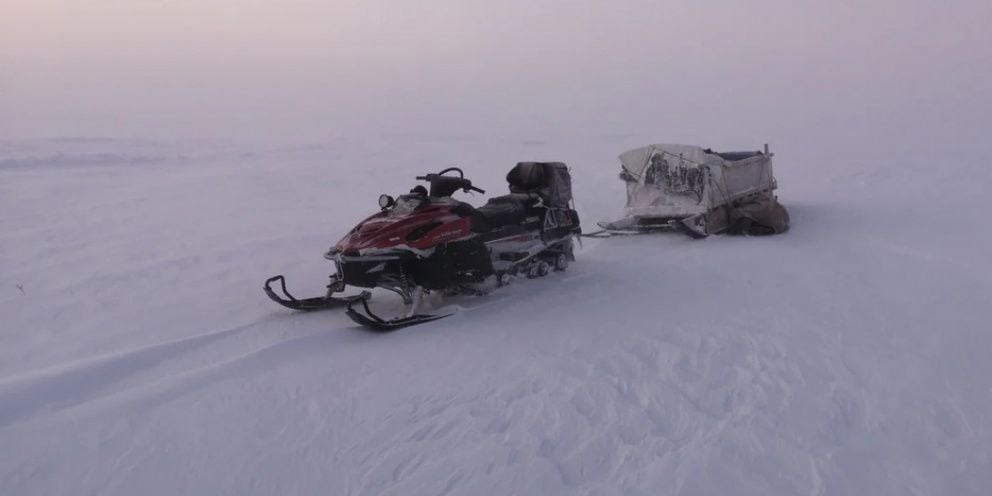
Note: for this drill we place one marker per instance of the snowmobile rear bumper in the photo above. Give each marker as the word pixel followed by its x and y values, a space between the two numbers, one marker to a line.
pixel 311 304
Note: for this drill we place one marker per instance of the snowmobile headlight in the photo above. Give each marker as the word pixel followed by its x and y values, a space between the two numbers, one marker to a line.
pixel 386 201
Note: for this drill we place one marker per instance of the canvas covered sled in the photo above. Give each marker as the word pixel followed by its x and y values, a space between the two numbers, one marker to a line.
pixel 699 191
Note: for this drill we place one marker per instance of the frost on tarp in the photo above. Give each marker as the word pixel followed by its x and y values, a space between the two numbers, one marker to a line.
pixel 681 181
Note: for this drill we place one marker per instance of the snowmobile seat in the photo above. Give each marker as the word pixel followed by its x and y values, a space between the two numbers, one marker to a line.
pixel 506 210
pixel 550 180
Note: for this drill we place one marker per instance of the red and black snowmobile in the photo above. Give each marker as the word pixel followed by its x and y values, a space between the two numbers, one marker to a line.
pixel 427 241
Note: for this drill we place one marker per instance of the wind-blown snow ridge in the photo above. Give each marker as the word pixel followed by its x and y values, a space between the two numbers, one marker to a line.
pixel 66 386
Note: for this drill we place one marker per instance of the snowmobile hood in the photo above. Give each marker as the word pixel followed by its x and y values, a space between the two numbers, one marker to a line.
pixel 417 231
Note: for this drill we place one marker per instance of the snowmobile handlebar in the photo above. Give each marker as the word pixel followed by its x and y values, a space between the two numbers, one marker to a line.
pixel 454 182
pixel 431 176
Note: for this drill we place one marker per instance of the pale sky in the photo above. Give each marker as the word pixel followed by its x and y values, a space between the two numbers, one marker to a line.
pixel 300 70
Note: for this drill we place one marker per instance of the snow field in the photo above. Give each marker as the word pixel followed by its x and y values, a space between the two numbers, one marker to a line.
pixel 139 354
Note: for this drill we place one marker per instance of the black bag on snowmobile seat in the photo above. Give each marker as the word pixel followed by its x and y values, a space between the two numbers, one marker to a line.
pixel 550 180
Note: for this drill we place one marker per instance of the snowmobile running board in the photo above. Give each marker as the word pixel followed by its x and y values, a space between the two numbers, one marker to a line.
pixel 373 321
pixel 308 304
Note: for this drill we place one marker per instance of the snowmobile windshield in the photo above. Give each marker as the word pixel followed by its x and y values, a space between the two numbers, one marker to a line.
pixel 406 204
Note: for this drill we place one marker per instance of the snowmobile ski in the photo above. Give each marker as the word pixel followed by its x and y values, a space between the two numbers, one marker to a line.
pixel 310 304
pixel 372 321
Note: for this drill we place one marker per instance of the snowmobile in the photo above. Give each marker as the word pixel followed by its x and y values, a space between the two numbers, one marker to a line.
pixel 426 241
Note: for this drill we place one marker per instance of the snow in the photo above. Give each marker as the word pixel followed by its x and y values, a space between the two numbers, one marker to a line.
pixel 138 354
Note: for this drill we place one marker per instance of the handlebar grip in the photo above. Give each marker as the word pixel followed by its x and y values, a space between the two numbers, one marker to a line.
pixel 480 190
pixel 421 178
